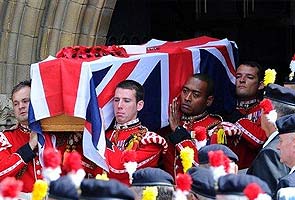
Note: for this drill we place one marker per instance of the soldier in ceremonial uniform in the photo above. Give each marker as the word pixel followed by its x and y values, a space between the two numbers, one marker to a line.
pixel 18 146
pixel 246 117
pixel 129 135
pixel 187 114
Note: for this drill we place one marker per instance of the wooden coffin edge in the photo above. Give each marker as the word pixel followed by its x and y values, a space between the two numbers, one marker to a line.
pixel 62 123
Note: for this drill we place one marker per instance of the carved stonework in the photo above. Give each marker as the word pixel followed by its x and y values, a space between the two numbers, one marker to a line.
pixel 6 113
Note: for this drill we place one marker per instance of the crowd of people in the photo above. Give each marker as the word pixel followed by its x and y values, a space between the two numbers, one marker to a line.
pixel 247 153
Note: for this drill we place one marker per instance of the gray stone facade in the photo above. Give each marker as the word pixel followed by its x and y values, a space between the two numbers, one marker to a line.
pixel 31 30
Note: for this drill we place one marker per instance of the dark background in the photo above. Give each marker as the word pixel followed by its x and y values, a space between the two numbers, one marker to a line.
pixel 264 30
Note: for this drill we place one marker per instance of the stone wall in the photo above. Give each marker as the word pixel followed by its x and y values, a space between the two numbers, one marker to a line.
pixel 31 30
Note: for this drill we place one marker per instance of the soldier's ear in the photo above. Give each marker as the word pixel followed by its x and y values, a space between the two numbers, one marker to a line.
pixel 140 105
pixel 209 101
pixel 261 85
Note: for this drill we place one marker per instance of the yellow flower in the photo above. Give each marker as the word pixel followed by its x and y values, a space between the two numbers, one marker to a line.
pixel 102 176
pixel 39 190
pixel 150 193
pixel 187 157
pixel 270 76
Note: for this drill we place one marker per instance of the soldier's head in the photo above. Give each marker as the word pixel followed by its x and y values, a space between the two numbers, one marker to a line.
pixel 204 158
pixel 286 145
pixel 157 178
pixel 20 97
pixel 196 95
pixel 249 81
pixel 282 98
pixel 128 100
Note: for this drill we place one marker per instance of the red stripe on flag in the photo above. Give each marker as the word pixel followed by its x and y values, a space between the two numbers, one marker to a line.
pixel 88 126
pixel 225 54
pixel 171 46
pixel 181 67
pixel 121 74
pixel 60 79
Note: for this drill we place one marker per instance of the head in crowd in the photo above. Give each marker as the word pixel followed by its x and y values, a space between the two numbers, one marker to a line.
pixel 196 95
pixel 232 186
pixel 203 186
pixel 152 177
pixel 105 189
pixel 204 158
pixel 63 188
pixel 286 145
pixel 128 101
pixel 20 97
pixel 249 81
pixel 282 98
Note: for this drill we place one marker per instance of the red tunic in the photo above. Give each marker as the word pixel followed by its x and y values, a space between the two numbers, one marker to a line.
pixel 148 146
pixel 171 161
pixel 252 138
pixel 14 150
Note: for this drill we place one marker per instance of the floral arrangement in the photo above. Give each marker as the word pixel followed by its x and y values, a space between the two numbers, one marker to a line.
pixel 102 176
pixel 95 52
pixel 292 68
pixel 74 169
pixel 268 109
pixel 254 192
pixel 52 162
pixel 183 186
pixel 39 190
pixel 187 158
pixel 10 188
pixel 150 193
pixel 219 163
pixel 269 76
pixel 130 164
pixel 200 136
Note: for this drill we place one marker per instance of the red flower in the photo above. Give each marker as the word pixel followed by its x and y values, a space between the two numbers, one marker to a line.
pixel 10 187
pixel 84 52
pixel 52 158
pixel 184 182
pixel 73 162
pixel 129 156
pixel 252 191
pixel 266 105
pixel 200 133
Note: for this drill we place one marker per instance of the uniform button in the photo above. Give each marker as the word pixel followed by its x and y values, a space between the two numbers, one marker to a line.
pixel 38 172
pixel 37 162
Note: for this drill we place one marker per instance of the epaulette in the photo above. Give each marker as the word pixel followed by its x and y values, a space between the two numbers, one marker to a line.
pixel 154 138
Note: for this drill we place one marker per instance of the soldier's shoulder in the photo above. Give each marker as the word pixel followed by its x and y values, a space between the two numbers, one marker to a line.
pixel 216 117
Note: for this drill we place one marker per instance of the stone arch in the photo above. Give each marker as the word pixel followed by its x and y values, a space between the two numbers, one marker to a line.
pixel 31 30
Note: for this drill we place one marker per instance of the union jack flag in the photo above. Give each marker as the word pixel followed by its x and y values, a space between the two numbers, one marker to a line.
pixel 76 88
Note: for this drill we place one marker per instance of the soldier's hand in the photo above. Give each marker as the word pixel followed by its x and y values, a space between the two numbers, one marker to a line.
pixel 33 140
pixel 174 118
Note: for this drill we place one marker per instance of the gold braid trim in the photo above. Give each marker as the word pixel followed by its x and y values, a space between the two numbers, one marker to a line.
pixel 133 140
